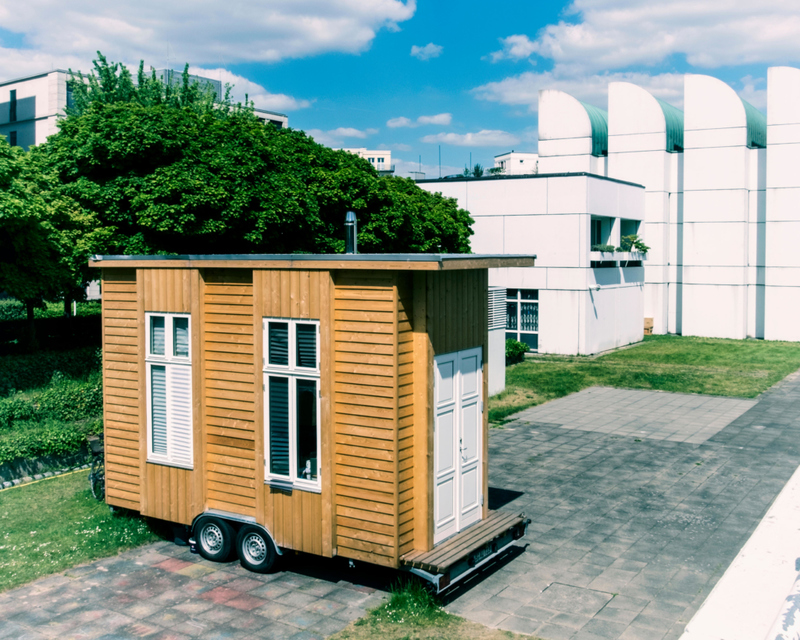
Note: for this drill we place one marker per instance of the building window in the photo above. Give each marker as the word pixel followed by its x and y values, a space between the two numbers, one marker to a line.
pixel 380 160
pixel 597 232
pixel 522 316
pixel 70 96
pixel 12 138
pixel 170 439
pixel 291 403
pixel 12 106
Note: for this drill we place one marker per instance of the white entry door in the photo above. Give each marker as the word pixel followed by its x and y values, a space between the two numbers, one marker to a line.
pixel 458 441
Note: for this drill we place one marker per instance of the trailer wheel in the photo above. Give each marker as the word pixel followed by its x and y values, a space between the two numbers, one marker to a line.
pixel 256 549
pixel 215 538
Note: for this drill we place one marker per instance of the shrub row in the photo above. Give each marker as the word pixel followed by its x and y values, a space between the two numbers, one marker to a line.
pixel 24 372
pixel 31 440
pixel 64 400
pixel 11 309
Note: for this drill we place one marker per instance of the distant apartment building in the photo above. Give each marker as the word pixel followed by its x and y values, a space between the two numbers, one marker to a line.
pixel 380 159
pixel 31 106
pixel 517 163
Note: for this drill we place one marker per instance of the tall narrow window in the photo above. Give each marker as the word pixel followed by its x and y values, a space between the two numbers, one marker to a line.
pixel 170 438
pixel 12 106
pixel 12 138
pixel 291 403
pixel 522 316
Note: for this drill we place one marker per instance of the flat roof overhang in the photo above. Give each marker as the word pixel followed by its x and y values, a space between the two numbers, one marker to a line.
pixel 382 261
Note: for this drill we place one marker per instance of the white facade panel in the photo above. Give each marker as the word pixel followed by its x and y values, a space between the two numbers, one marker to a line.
pixel 714 311
pixel 489 234
pixel 724 205
pixel 567 195
pixel 719 244
pixel 716 168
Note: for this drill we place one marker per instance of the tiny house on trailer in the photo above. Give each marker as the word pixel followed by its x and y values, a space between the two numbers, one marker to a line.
pixel 369 436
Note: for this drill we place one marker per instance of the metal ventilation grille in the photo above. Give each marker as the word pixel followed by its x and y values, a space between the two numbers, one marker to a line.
pixel 497 308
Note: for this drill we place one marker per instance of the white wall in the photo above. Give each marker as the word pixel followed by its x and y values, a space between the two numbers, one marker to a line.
pixel 565 136
pixel 497 361
pixel 637 151
pixel 782 273
pixel 39 101
pixel 720 175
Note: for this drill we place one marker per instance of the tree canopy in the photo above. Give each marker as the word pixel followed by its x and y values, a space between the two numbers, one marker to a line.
pixel 162 169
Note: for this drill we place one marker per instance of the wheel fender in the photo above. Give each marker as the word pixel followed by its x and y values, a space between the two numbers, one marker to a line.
pixel 236 522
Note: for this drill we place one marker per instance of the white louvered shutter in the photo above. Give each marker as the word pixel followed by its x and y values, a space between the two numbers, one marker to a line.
pixel 497 308
pixel 180 413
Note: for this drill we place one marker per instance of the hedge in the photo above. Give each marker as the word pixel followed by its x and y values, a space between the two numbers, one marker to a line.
pixel 31 440
pixel 11 309
pixel 64 400
pixel 24 372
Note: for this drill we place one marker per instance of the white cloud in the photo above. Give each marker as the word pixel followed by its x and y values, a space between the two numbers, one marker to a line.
pixel 62 34
pixel 242 87
pixel 515 47
pixel 440 119
pixel 427 52
pixel 336 137
pixel 483 138
pixel 395 123
pixel 523 89
pixel 615 34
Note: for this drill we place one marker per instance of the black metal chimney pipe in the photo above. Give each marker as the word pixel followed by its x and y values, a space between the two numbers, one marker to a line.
pixel 350 233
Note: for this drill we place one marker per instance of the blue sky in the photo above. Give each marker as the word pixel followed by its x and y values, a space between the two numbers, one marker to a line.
pixel 414 76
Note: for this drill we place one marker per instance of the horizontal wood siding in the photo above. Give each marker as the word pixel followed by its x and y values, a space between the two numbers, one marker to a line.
pixel 169 493
pixel 296 519
pixel 405 415
pixel 122 391
pixel 229 390
pixel 365 416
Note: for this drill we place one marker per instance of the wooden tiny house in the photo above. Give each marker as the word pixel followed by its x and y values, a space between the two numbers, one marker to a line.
pixel 368 438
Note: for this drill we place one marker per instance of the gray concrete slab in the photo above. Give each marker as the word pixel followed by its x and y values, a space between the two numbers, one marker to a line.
pixel 640 500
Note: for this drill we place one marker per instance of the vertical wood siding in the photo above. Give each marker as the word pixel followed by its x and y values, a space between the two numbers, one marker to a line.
pixel 229 390
pixel 298 520
pixel 121 407
pixel 365 416
pixel 169 493
pixel 405 415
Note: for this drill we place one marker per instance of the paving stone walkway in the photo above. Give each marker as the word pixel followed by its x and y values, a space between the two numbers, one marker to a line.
pixel 640 500
pixel 163 592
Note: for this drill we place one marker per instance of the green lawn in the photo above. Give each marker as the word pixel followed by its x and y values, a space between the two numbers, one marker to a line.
pixel 740 368
pixel 54 524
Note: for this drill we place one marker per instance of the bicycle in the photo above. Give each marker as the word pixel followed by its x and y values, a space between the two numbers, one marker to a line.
pixel 97 473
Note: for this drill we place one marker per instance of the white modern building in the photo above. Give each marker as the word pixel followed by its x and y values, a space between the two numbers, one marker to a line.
pixel 31 106
pixel 578 301
pixel 381 159
pixel 517 163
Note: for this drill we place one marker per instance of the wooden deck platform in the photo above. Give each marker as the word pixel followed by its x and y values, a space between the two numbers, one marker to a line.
pixel 457 549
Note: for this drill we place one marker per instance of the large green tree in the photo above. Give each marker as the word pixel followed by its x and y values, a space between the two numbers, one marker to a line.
pixel 168 170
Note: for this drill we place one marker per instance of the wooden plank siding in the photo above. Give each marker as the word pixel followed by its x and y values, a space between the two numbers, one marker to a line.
pixel 171 493
pixel 298 520
pixel 405 414
pixel 229 391
pixel 121 388
pixel 367 372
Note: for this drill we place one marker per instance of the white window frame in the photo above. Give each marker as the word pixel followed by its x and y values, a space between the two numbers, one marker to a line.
pixel 293 372
pixel 520 301
pixel 167 360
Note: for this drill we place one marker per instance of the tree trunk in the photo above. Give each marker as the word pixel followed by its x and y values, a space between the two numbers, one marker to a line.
pixel 29 339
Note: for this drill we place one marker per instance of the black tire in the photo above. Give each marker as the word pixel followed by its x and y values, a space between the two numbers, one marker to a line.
pixel 97 479
pixel 215 538
pixel 256 549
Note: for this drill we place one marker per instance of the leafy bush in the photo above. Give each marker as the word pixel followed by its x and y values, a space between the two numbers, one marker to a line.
pixel 31 440
pixel 11 309
pixel 633 243
pixel 515 351
pixel 608 248
pixel 65 400
pixel 23 372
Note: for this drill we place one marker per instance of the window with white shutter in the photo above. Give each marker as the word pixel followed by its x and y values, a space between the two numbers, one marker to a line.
pixel 169 389
pixel 291 403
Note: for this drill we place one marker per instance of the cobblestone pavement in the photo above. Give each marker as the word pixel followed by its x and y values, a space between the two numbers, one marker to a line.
pixel 631 527
pixel 163 592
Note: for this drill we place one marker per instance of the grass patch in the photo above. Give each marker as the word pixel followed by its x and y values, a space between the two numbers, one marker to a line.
pixel 736 368
pixel 413 613
pixel 49 526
